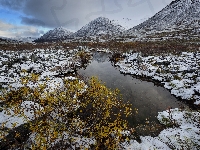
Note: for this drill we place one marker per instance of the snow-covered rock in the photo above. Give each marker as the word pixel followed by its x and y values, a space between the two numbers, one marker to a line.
pixel 180 18
pixel 184 133
pixel 101 26
pixel 55 35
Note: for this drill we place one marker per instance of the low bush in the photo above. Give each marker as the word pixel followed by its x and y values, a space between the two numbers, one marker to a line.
pixel 91 111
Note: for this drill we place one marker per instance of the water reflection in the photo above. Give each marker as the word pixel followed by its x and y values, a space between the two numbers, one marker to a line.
pixel 145 96
pixel 100 57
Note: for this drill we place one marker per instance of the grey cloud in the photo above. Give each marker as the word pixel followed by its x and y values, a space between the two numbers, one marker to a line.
pixel 32 21
pixel 25 31
pixel 28 33
pixel 5 26
pixel 41 31
pixel 73 14
pixel 68 13
pixel 10 30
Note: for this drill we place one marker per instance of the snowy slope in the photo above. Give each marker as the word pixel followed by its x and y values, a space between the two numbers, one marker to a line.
pixel 54 35
pixel 178 15
pixel 98 27
pixel 5 40
pixel 25 39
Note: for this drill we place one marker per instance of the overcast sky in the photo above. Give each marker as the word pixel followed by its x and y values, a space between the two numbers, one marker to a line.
pixel 35 17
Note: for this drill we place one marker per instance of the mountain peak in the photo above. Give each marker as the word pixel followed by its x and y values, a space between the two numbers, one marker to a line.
pixel 101 19
pixel 56 34
pixel 99 26
pixel 179 14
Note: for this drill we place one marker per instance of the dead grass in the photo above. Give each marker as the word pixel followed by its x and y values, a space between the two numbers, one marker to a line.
pixel 147 48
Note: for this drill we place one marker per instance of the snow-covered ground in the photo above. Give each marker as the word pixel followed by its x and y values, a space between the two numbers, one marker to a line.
pixel 183 133
pixel 179 73
pixel 48 63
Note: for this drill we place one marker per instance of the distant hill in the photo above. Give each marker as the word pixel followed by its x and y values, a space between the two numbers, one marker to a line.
pixel 4 40
pixel 25 39
pixel 57 34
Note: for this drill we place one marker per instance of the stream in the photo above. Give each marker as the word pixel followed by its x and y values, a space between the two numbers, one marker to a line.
pixel 145 96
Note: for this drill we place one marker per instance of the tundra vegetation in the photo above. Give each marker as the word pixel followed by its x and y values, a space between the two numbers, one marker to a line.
pixel 83 114
pixel 55 119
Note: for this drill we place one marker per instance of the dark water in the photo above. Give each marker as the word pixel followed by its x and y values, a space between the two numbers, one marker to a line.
pixel 148 98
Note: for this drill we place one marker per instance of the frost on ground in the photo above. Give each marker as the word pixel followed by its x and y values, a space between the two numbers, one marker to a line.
pixel 178 73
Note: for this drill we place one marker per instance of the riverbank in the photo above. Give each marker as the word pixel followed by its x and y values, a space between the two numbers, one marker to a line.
pixel 182 125
pixel 178 73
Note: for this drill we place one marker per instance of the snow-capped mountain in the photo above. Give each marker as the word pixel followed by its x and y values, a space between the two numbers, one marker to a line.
pixel 178 15
pixel 55 35
pixel 179 19
pixel 101 26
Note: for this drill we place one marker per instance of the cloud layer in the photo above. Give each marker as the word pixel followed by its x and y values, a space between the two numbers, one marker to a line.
pixel 73 14
pixel 10 30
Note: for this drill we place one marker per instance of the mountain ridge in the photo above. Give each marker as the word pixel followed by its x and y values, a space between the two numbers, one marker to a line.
pixel 56 34
pixel 179 19
pixel 99 26
pixel 179 14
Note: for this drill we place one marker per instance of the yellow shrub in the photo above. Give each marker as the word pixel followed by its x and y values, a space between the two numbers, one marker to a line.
pixel 95 111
